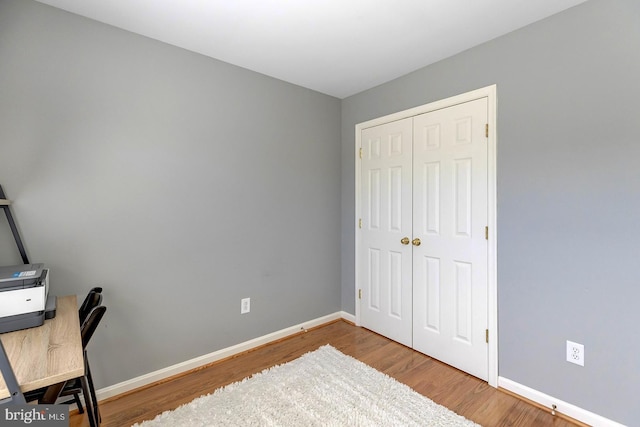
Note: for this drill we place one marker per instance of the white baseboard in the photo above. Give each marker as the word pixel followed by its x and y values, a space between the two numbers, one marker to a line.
pixel 179 368
pixel 348 317
pixel 563 407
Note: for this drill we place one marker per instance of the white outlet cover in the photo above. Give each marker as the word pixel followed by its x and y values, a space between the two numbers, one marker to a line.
pixel 575 353
pixel 245 305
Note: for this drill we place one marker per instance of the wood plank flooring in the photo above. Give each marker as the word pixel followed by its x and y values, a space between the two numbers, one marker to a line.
pixel 460 392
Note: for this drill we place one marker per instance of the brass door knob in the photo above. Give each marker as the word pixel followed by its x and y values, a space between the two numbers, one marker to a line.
pixel 416 242
pixel 405 241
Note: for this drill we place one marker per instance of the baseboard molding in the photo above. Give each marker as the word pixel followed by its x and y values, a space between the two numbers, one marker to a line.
pixel 197 362
pixel 348 317
pixel 565 408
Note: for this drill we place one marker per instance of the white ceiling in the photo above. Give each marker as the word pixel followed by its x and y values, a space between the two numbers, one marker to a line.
pixel 338 47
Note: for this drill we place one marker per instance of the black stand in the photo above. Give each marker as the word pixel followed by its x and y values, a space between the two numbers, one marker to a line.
pixel 15 395
pixel 14 229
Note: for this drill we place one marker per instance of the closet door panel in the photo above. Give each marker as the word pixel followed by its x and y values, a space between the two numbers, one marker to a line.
pixel 386 272
pixel 450 215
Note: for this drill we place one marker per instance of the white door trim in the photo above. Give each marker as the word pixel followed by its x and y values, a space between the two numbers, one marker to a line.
pixel 489 92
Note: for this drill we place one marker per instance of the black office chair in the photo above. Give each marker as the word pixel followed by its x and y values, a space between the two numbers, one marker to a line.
pixel 83 384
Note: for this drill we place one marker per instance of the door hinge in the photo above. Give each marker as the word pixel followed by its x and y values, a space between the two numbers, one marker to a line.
pixel 486 130
pixel 486 233
pixel 486 335
pixel 360 152
pixel 359 293
pixel 360 223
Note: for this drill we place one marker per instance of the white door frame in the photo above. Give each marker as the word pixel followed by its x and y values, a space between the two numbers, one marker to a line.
pixel 488 92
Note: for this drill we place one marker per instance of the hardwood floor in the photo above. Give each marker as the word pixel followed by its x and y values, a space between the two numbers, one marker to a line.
pixel 460 392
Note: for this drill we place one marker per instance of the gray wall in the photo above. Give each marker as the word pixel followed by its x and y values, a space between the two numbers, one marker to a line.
pixel 568 195
pixel 180 183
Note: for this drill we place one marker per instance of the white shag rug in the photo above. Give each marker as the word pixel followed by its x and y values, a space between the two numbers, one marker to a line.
pixel 321 388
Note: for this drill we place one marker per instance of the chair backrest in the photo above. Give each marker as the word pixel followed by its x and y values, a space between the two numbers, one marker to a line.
pixel 93 299
pixel 91 323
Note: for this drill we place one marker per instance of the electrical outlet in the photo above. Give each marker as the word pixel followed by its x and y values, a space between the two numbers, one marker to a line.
pixel 245 305
pixel 575 353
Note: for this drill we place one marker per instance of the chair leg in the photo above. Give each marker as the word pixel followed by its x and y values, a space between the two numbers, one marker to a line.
pixel 87 401
pixel 92 389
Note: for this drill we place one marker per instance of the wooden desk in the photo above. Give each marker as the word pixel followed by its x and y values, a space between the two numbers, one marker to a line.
pixel 47 354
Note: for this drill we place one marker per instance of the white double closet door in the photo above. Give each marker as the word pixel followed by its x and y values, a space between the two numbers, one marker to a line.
pixel 423 250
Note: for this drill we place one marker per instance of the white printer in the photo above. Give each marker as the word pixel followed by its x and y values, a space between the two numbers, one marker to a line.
pixel 24 300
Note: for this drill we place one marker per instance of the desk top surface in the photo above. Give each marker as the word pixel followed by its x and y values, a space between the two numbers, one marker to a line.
pixel 46 354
